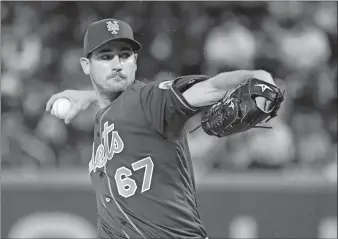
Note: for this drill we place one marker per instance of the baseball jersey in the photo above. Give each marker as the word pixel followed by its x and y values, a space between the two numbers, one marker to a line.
pixel 141 167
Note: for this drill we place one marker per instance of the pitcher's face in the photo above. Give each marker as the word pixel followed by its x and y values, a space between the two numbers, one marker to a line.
pixel 112 66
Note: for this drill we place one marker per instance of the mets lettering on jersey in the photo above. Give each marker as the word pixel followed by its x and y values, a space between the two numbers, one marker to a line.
pixel 106 151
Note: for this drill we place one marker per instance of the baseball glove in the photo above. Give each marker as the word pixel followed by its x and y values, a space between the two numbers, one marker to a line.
pixel 238 111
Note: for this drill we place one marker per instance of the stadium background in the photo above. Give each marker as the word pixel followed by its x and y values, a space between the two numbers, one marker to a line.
pixel 277 183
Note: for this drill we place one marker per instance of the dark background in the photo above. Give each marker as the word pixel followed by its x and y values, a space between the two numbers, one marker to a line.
pixel 41 43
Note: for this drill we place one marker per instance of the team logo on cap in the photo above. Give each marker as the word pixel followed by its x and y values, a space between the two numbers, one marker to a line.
pixel 113 27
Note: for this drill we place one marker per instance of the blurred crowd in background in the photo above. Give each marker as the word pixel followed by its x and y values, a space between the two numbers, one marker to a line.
pixel 41 43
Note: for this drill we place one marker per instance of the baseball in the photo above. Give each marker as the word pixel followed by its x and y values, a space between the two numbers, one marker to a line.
pixel 61 108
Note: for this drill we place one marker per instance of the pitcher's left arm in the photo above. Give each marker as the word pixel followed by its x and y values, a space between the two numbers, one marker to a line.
pixel 210 91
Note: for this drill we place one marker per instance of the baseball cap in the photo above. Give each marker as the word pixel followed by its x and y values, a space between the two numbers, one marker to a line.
pixel 109 29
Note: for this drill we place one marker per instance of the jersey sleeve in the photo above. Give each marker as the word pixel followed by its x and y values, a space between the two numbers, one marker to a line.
pixel 165 107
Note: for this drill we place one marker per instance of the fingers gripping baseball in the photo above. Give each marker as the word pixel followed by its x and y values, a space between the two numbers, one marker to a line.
pixel 67 104
pixel 61 108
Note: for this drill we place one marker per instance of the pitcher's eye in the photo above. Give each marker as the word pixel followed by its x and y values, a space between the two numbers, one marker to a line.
pixel 124 55
pixel 106 57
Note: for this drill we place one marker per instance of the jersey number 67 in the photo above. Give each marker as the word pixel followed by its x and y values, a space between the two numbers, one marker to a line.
pixel 127 186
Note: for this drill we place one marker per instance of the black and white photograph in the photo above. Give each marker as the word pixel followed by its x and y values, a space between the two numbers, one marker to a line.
pixel 169 119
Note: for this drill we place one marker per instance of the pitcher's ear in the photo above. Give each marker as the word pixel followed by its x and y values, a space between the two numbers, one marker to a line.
pixel 85 63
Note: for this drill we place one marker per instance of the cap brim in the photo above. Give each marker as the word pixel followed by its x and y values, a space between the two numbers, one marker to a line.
pixel 134 44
